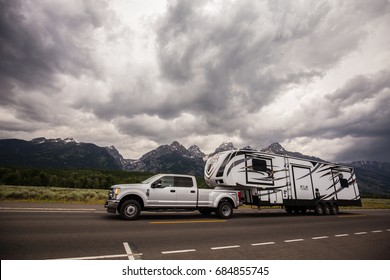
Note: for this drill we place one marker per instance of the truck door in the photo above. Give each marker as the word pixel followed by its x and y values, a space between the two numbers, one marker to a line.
pixel 162 192
pixel 186 192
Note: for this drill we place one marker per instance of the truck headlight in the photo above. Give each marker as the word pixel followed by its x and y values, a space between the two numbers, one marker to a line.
pixel 116 192
pixel 113 193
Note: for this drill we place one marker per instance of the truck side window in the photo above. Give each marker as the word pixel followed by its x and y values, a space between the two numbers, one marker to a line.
pixel 166 181
pixel 183 182
pixel 259 165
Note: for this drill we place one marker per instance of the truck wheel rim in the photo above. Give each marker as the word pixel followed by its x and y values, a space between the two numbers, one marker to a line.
pixel 130 210
pixel 226 210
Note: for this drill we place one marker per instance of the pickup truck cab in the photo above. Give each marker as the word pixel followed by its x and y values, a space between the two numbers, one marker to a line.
pixel 170 192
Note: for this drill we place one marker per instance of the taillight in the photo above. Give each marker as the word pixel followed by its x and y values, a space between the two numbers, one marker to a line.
pixel 239 196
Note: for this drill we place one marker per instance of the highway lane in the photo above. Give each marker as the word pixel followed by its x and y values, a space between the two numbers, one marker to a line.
pixel 50 231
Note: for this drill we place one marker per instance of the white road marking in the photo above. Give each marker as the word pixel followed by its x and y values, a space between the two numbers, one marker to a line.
pixel 178 251
pixel 225 247
pixel 101 257
pixel 294 240
pixel 360 233
pixel 262 244
pixel 377 231
pixel 319 237
pixel 342 235
pixel 46 210
pixel 128 251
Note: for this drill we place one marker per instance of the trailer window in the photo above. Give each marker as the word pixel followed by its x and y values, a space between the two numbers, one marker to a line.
pixel 344 183
pixel 259 165
pixel 183 182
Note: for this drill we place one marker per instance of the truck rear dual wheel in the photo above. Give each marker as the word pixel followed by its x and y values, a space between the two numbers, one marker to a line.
pixel 130 210
pixel 224 210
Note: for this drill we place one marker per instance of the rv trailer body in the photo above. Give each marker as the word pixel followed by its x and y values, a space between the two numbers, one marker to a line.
pixel 276 180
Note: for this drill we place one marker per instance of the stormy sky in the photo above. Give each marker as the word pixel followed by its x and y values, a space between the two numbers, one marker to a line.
pixel 311 75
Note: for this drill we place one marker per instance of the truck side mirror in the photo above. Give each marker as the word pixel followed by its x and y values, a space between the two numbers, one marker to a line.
pixel 156 184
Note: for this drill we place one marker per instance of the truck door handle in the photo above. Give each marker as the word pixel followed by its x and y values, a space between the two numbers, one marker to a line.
pixel 173 191
pixel 192 191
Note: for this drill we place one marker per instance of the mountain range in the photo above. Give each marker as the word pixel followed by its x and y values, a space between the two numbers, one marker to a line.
pixel 373 176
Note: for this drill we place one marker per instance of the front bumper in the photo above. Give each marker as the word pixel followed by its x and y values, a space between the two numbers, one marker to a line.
pixel 111 206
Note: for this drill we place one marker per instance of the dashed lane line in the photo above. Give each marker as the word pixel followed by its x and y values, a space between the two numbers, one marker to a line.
pixel 178 251
pixel 225 247
pixel 131 256
pixel 360 233
pixel 263 243
pixel 319 237
pixel 342 235
pixel 294 240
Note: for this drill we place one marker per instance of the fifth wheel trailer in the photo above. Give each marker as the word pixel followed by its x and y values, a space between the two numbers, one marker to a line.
pixel 296 184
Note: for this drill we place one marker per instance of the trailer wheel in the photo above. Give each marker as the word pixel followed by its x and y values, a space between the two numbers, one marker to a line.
pixel 289 209
pixel 319 209
pixel 130 210
pixel 327 209
pixel 224 210
pixel 334 209
pixel 302 210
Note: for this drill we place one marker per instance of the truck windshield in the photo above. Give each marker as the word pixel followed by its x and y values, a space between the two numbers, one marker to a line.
pixel 151 179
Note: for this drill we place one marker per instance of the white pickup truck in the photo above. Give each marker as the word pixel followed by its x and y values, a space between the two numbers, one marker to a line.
pixel 167 192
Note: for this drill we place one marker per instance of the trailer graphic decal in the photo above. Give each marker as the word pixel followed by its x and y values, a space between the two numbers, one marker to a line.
pixel 271 179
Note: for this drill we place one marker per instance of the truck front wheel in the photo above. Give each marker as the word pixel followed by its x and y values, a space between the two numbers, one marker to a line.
pixel 130 210
pixel 224 210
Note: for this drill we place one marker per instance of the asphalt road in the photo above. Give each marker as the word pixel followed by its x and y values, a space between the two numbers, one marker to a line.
pixel 57 231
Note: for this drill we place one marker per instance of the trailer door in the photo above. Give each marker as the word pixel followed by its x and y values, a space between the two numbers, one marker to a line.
pixel 303 182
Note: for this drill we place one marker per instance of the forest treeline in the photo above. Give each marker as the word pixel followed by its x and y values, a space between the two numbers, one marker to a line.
pixel 71 178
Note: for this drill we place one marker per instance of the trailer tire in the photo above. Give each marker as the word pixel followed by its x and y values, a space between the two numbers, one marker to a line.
pixel 334 209
pixel 327 210
pixel 319 209
pixel 289 209
pixel 224 210
pixel 130 210
pixel 302 210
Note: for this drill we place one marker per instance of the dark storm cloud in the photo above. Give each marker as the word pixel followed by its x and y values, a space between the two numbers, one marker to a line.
pixel 358 111
pixel 38 42
pixel 199 68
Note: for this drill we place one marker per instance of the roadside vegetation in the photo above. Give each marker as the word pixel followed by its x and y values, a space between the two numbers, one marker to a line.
pixel 73 178
pixel 52 194
pixel 98 196
pixel 87 186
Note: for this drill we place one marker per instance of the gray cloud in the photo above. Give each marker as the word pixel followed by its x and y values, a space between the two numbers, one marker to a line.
pixel 216 69
pixel 41 41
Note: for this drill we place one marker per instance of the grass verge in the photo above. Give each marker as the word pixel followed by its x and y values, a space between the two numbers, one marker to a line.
pixel 98 196
pixel 52 194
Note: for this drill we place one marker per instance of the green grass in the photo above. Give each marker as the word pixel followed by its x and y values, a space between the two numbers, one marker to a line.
pixel 98 196
pixel 52 194
pixel 376 203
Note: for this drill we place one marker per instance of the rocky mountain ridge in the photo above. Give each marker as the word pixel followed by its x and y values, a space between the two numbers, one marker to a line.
pixel 373 176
